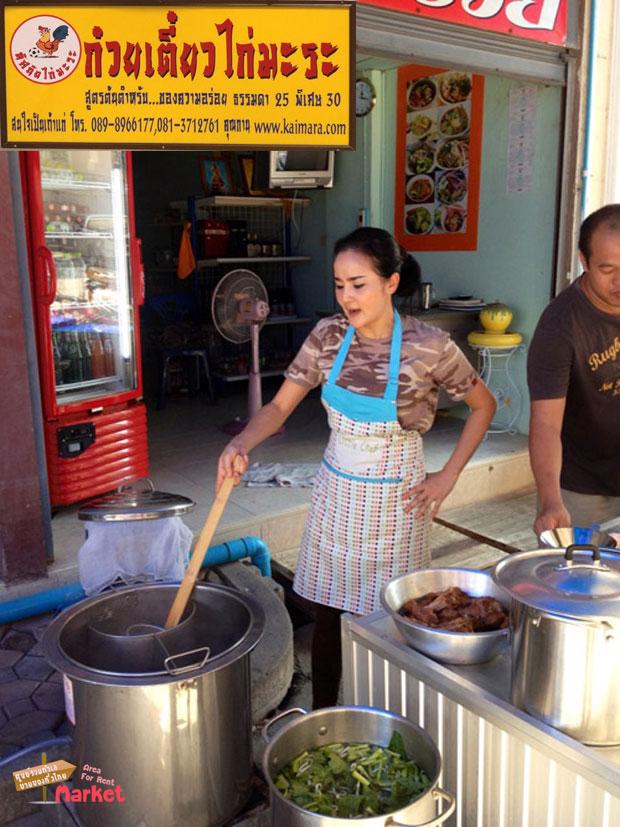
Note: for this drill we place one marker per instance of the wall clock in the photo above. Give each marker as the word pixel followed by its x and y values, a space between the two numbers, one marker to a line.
pixel 365 96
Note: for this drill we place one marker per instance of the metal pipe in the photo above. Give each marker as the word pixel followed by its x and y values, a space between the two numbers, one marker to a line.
pixel 589 103
pixel 19 223
pixel 63 596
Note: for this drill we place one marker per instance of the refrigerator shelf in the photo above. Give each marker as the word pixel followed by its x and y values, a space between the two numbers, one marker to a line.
pixel 88 383
pixel 70 184
pixel 80 304
pixel 78 235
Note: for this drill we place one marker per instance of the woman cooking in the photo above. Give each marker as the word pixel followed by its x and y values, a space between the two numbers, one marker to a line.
pixel 373 501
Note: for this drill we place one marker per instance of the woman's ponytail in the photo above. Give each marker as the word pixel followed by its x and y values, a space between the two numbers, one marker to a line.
pixel 410 275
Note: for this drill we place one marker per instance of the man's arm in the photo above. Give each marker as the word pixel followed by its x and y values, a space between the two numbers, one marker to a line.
pixel 546 416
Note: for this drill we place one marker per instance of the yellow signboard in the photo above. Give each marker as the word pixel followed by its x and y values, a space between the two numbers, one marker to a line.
pixel 42 775
pixel 190 76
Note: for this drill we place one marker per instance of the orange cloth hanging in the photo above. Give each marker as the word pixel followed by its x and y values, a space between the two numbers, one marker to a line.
pixel 187 261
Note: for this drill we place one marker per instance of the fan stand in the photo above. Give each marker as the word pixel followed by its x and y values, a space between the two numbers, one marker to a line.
pixel 255 393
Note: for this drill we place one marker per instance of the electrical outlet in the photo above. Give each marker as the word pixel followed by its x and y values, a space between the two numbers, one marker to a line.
pixel 362 217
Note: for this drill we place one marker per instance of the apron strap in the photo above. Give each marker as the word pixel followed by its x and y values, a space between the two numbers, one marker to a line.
pixel 391 389
pixel 341 356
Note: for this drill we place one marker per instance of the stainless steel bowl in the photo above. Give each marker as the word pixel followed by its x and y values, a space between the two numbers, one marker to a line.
pixel 460 648
pixel 568 535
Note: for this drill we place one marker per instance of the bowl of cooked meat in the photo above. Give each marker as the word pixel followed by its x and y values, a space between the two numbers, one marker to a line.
pixel 453 615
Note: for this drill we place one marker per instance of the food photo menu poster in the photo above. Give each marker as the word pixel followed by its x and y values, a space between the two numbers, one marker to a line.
pixel 438 146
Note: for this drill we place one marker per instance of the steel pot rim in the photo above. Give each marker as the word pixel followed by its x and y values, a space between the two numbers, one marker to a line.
pixel 389 818
pixel 76 670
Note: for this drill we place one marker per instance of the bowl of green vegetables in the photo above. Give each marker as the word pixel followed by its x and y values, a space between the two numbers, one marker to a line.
pixel 333 766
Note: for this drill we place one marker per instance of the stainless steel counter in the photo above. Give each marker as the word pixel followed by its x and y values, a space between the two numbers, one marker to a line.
pixel 505 767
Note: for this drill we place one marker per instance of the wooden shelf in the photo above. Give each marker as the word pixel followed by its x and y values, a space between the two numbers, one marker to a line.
pixel 212 262
pixel 243 201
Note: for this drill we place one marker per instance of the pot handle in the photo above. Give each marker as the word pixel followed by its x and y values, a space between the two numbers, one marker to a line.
pixel 132 486
pixel 294 710
pixel 437 794
pixel 570 551
pixel 203 651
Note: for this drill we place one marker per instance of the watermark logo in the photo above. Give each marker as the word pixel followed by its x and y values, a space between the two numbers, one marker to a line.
pixel 101 789
pixel 91 787
pixel 43 774
pixel 45 49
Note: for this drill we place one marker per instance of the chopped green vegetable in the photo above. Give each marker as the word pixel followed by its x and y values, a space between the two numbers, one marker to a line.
pixel 353 780
pixel 397 745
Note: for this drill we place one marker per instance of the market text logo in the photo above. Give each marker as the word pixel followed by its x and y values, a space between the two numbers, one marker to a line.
pixel 94 794
pixel 42 775
pixel 45 49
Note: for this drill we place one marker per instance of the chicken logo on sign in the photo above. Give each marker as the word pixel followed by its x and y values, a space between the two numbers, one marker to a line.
pixel 45 49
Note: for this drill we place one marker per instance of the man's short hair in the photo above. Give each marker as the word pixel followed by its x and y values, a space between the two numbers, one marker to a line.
pixel 609 216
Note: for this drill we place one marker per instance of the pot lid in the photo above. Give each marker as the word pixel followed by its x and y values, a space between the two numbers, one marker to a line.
pixel 135 501
pixel 580 581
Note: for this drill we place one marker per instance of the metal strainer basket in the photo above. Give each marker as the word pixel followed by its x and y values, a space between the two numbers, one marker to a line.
pixel 121 632
pixel 130 634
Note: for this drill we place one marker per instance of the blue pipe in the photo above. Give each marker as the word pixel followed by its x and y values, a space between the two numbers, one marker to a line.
pixel 252 547
pixel 63 596
pixel 39 602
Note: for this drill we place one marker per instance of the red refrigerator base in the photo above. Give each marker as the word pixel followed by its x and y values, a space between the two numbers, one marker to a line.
pixel 109 448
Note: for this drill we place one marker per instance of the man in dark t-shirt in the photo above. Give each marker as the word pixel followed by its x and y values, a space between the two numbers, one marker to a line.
pixel 574 382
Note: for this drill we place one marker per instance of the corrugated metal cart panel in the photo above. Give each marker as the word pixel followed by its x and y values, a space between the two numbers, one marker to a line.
pixel 505 768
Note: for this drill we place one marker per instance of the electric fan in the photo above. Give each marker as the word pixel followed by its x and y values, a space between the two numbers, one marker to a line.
pixel 239 306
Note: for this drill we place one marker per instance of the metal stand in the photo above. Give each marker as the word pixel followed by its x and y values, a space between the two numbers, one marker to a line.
pixel 494 367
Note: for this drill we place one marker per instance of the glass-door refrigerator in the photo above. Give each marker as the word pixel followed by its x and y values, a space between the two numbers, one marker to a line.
pixel 87 285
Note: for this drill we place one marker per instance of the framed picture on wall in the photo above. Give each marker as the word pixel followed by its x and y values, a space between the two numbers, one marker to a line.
pixel 216 175
pixel 247 167
pixel 438 148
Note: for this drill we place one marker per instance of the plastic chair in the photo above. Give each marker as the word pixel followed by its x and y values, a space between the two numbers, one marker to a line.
pixel 178 311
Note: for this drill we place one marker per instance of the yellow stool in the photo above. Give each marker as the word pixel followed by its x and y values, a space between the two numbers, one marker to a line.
pixel 485 338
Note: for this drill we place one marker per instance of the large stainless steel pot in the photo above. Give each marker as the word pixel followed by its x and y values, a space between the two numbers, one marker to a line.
pixel 174 732
pixel 565 617
pixel 351 724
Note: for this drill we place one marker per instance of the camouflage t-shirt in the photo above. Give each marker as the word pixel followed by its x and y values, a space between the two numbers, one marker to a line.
pixel 429 360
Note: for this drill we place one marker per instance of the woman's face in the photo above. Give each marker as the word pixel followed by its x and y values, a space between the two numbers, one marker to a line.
pixel 364 296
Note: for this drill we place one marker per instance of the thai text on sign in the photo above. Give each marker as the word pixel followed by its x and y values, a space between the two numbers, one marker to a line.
pixel 43 774
pixel 543 20
pixel 195 76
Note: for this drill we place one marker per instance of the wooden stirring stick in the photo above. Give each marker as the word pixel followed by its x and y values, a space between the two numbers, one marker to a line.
pixel 206 535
